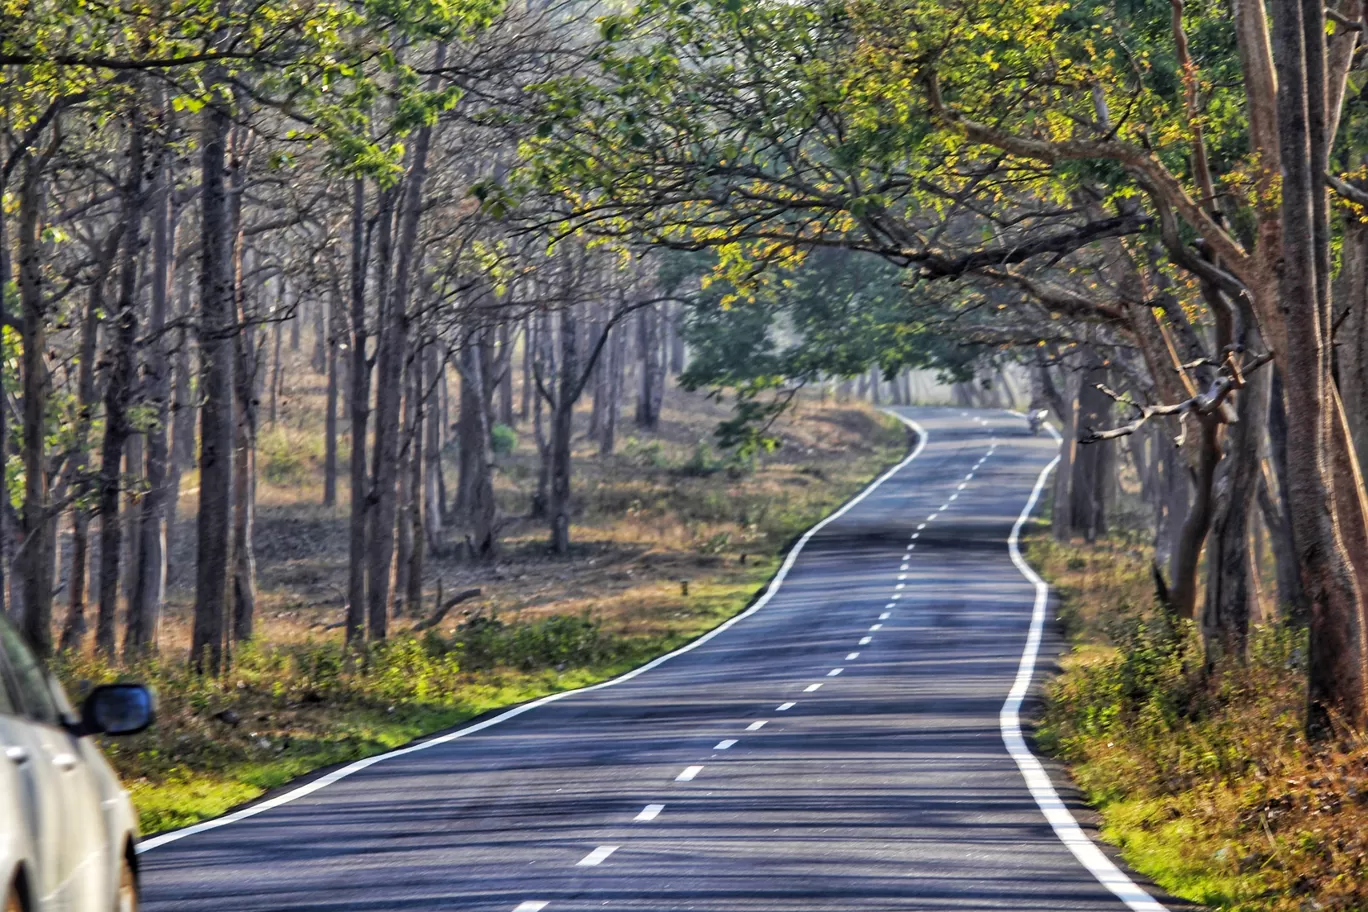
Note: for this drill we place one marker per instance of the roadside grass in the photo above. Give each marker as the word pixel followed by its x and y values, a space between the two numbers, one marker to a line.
pixel 669 541
pixel 1202 777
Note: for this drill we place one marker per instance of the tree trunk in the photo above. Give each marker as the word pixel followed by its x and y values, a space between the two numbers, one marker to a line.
pixel 432 492
pixel 276 333
pixel 360 414
pixel 506 375
pixel 144 611
pixel 562 416
pixel 1061 520
pixel 216 414
pixel 330 334
pixel 1335 687
pixel 393 347
pixel 33 564
pixel 1229 593
pixel 246 375
pixel 118 394
pixel 652 373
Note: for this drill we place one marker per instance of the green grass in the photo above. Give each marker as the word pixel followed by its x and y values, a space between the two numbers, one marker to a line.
pixel 1202 776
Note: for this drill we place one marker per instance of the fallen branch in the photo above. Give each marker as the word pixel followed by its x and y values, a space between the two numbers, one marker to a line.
pixel 441 613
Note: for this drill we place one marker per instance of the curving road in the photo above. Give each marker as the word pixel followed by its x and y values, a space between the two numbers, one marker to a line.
pixel 842 746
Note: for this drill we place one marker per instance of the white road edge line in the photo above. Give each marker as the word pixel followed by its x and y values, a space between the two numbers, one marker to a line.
pixel 1037 780
pixel 649 812
pixel 341 773
pixel 596 857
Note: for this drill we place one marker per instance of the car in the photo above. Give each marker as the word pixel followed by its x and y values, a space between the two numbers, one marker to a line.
pixel 67 826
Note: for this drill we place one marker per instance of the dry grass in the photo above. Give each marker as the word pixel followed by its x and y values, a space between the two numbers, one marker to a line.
pixel 1203 777
pixel 664 512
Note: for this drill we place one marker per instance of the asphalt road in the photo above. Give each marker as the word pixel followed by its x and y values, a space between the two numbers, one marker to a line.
pixel 840 748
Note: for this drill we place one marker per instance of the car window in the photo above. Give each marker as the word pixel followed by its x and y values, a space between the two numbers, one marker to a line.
pixel 30 681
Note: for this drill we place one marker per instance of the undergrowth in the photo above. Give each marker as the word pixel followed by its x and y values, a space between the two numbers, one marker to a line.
pixel 1203 776
pixel 284 710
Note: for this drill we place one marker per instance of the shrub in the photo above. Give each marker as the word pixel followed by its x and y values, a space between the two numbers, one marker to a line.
pixel 503 439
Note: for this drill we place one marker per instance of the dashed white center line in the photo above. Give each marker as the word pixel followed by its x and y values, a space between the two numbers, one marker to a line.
pixel 689 773
pixel 834 672
pixel 884 616
pixel 811 687
pixel 900 586
pixel 596 857
pixel 943 507
pixel 969 477
pixel 850 657
pixel 890 605
pixel 919 528
pixel 876 626
pixel 756 726
pixel 905 566
pixel 649 812
pixel 902 576
pixel 723 745
pixel 864 641
pixel 896 595
pixel 784 707
pixel 531 905
pixel 962 486
pixel 933 515
pixel 955 496
pixel 916 535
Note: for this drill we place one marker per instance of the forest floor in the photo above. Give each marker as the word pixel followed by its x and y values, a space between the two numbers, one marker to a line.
pixel 1203 777
pixel 670 539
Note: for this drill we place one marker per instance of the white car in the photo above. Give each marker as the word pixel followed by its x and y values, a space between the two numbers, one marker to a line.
pixel 67 827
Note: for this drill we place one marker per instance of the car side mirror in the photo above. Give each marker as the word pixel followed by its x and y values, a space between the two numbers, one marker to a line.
pixel 118 709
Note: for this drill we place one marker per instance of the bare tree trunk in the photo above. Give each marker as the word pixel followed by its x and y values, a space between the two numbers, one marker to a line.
pixel 276 332
pixel 677 352
pixel 1061 520
pixel 144 611
pixel 648 344
pixel 432 491
pixel 33 564
pixel 118 393
pixel 506 375
pixel 360 415
pixel 562 415
pixel 481 510
pixel 1335 687
pixel 246 374
pixel 617 347
pixel 414 499
pixel 216 414
pixel 329 335
pixel 74 629
pixel 323 314
pixel 393 346
pixel 528 384
pixel 296 319
pixel 1229 594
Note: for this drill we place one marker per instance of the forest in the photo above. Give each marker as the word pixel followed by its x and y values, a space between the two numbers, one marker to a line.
pixel 437 276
